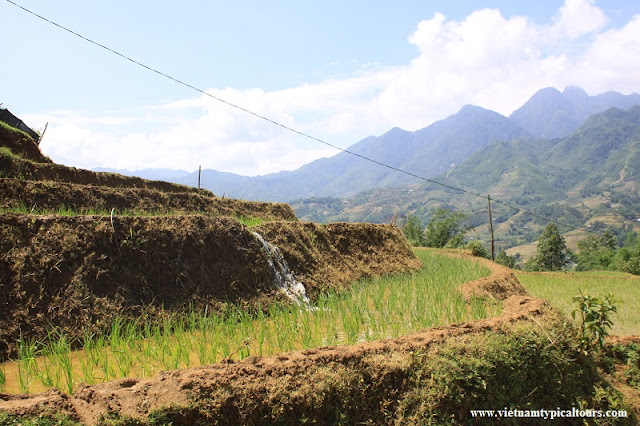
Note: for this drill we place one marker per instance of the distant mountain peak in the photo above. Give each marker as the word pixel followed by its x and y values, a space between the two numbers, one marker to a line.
pixel 551 114
pixel 575 93
pixel 472 108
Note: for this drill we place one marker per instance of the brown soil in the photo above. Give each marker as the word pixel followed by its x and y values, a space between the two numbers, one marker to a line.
pixel 501 285
pixel 79 273
pixel 51 195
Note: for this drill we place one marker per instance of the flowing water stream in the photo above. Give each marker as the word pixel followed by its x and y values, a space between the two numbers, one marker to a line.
pixel 283 277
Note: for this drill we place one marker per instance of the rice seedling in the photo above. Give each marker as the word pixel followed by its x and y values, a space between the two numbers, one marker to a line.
pixel 3 378
pixel 62 357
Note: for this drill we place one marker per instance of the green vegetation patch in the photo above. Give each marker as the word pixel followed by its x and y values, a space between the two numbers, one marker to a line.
pixel 515 366
pixel 7 419
pixel 560 288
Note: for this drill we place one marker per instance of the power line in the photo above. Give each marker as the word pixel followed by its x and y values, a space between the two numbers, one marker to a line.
pixel 273 121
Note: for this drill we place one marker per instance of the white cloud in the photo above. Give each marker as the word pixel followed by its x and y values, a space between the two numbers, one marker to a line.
pixel 612 61
pixel 579 17
pixel 486 59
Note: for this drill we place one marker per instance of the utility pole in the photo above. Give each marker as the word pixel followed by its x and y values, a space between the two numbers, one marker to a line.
pixel 491 227
pixel 199 173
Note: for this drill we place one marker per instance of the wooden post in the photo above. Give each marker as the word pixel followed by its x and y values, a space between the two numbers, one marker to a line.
pixel 199 173
pixel 42 135
pixel 491 228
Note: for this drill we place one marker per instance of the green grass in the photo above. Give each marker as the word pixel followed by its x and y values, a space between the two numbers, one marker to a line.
pixel 370 309
pixel 6 151
pixel 560 288
pixel 71 212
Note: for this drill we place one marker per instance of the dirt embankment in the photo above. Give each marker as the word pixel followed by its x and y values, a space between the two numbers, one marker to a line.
pixel 15 167
pixel 51 195
pixel 21 144
pixel 501 284
pixel 329 256
pixel 79 273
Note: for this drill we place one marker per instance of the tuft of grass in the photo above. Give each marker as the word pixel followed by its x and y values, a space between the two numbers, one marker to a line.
pixel 63 210
pixel 6 151
pixel 7 419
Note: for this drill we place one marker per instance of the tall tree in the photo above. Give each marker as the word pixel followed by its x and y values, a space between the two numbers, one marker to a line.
pixel 596 251
pixel 552 250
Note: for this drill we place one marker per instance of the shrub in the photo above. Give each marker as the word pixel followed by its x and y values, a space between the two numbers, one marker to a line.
pixel 506 260
pixel 445 229
pixel 477 249
pixel 595 320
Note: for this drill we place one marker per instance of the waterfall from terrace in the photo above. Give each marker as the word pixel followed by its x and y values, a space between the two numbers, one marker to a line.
pixel 284 278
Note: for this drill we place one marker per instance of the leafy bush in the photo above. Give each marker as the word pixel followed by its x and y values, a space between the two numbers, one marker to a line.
pixel 413 231
pixel 596 251
pixel 595 320
pixel 477 249
pixel 506 260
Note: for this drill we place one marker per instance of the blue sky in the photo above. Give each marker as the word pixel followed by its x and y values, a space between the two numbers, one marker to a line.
pixel 337 70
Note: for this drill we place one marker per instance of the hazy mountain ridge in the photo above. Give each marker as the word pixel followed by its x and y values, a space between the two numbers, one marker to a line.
pixel 593 174
pixel 551 114
pixel 427 152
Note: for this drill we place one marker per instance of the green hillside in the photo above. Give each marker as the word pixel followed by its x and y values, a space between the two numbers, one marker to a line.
pixel 591 175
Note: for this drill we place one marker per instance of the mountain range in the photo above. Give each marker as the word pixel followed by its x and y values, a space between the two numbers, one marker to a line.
pixel 428 152
pixel 584 181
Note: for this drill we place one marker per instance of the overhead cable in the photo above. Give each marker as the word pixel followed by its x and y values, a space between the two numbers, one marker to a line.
pixel 262 117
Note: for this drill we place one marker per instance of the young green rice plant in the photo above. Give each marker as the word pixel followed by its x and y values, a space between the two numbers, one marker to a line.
pixel 27 352
pixel 46 371
pixel 24 380
pixel 61 352
pixel 27 365
pixel 3 377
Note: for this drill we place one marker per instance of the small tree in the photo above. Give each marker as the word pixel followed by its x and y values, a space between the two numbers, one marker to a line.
pixel 506 260
pixel 445 229
pixel 594 317
pixel 551 251
pixel 413 231
pixel 596 251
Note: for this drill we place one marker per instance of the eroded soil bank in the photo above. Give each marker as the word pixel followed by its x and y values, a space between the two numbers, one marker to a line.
pixel 80 273
pixel 48 195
